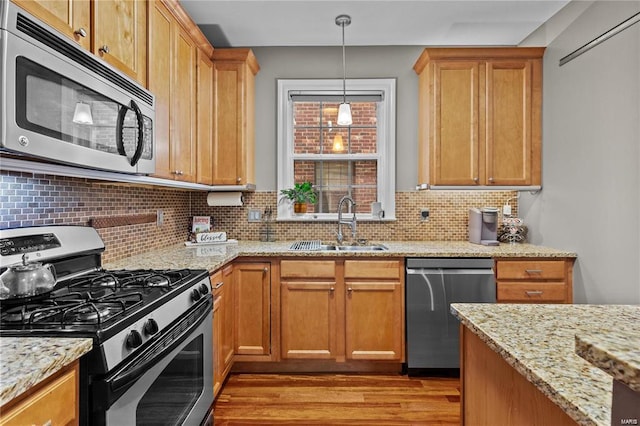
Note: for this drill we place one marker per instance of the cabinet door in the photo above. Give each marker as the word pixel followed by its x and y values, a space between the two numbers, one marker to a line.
pixel 218 365
pixel 183 111
pixel 160 67
pixel 374 325
pixel 71 17
pixel 510 121
pixel 229 80
pixel 119 35
pixel 308 320
pixel 454 139
pixel 252 288
pixel 227 316
pixel 204 125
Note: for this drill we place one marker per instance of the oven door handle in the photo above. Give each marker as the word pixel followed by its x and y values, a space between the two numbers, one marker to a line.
pixel 129 373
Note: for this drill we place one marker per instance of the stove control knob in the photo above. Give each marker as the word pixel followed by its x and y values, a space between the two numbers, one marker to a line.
pixel 134 339
pixel 204 289
pixel 150 327
pixel 195 295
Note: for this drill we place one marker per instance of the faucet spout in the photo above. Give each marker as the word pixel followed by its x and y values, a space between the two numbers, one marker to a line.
pixel 351 223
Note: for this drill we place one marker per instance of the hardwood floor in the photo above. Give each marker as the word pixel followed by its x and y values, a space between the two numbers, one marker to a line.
pixel 337 399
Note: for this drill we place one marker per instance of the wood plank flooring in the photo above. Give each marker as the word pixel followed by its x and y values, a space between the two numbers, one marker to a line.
pixel 337 399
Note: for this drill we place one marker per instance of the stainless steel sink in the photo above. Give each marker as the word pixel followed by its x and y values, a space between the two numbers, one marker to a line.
pixel 376 247
pixel 316 245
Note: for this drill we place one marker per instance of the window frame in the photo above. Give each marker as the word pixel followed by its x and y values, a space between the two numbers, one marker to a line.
pixel 385 155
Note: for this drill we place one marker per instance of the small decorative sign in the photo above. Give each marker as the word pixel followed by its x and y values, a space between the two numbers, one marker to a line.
pixel 201 224
pixel 211 237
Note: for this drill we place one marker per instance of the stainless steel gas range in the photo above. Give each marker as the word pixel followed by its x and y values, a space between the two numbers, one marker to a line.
pixel 152 329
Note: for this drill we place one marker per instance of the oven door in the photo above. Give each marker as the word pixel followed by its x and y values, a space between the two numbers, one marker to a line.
pixel 169 383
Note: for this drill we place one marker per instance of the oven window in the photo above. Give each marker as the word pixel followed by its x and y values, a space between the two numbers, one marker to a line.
pixel 55 106
pixel 174 393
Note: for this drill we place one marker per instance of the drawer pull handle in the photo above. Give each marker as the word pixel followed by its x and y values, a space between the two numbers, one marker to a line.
pixel 533 271
pixel 218 285
pixel 534 292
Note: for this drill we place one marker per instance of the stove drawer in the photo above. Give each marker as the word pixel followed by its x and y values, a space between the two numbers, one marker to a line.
pixel 48 405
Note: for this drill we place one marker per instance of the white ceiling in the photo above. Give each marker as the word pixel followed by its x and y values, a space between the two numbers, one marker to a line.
pixel 245 23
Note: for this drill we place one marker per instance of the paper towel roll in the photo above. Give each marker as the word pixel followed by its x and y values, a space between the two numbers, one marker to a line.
pixel 224 199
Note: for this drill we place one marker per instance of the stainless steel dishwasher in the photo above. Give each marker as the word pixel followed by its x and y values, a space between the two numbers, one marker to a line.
pixel 432 285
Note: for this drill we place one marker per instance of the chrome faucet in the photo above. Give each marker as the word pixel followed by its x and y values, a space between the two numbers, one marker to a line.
pixel 352 223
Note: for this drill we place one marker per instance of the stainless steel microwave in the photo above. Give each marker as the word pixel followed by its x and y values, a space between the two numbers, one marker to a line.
pixel 63 104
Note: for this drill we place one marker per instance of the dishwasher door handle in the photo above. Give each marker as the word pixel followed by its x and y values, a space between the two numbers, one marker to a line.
pixel 449 271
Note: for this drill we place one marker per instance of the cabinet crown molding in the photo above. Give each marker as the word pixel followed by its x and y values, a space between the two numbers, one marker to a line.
pixel 476 53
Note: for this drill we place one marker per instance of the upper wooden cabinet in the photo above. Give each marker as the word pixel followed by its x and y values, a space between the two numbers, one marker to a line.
pixel 172 79
pixel 480 116
pixel 204 119
pixel 120 35
pixel 116 31
pixel 70 17
pixel 233 155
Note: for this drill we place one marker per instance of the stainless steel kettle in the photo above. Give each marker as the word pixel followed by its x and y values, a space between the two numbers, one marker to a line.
pixel 28 279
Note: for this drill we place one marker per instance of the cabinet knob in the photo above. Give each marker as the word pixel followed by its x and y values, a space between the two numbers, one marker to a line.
pixel 80 32
pixel 104 49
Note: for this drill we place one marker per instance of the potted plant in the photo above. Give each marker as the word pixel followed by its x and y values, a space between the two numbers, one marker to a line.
pixel 300 195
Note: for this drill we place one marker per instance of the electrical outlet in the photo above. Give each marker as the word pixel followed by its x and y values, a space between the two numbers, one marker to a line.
pixel 159 217
pixel 424 215
pixel 254 215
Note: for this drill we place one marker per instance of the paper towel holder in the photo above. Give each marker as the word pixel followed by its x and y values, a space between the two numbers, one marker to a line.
pixel 225 198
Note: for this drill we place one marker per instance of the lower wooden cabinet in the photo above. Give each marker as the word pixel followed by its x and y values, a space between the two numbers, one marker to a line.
pixel 342 310
pixel 534 280
pixel 53 402
pixel 252 310
pixel 222 283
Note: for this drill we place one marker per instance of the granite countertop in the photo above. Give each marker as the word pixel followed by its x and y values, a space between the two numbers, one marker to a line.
pixel 615 353
pixel 214 256
pixel 539 341
pixel 26 361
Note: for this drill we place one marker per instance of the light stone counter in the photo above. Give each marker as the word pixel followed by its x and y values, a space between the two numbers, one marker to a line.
pixel 214 256
pixel 539 341
pixel 615 353
pixel 26 361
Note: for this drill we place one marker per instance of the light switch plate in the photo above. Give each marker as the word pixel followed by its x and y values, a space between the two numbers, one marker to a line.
pixel 254 215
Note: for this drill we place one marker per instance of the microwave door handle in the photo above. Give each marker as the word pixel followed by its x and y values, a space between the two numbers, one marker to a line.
pixel 140 144
pixel 120 126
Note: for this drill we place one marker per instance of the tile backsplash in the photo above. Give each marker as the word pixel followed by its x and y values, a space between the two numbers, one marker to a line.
pixel 28 199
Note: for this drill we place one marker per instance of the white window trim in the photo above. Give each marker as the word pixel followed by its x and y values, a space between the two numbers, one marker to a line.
pixel 386 155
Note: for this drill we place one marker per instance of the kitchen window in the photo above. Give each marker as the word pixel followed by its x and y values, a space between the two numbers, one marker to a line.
pixel 356 160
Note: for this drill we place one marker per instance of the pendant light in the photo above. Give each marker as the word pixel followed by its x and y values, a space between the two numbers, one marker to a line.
pixel 344 111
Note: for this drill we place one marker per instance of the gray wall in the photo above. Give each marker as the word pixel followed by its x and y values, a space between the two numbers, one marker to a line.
pixel 326 62
pixel 590 202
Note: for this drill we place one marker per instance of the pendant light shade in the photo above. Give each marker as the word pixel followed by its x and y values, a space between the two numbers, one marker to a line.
pixel 344 113
pixel 82 114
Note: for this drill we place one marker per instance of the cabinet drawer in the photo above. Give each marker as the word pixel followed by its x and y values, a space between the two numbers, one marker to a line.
pixel 53 404
pixel 308 269
pixel 372 269
pixel 530 270
pixel 532 292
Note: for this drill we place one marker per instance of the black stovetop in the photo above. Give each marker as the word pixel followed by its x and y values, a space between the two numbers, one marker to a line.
pixel 95 304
